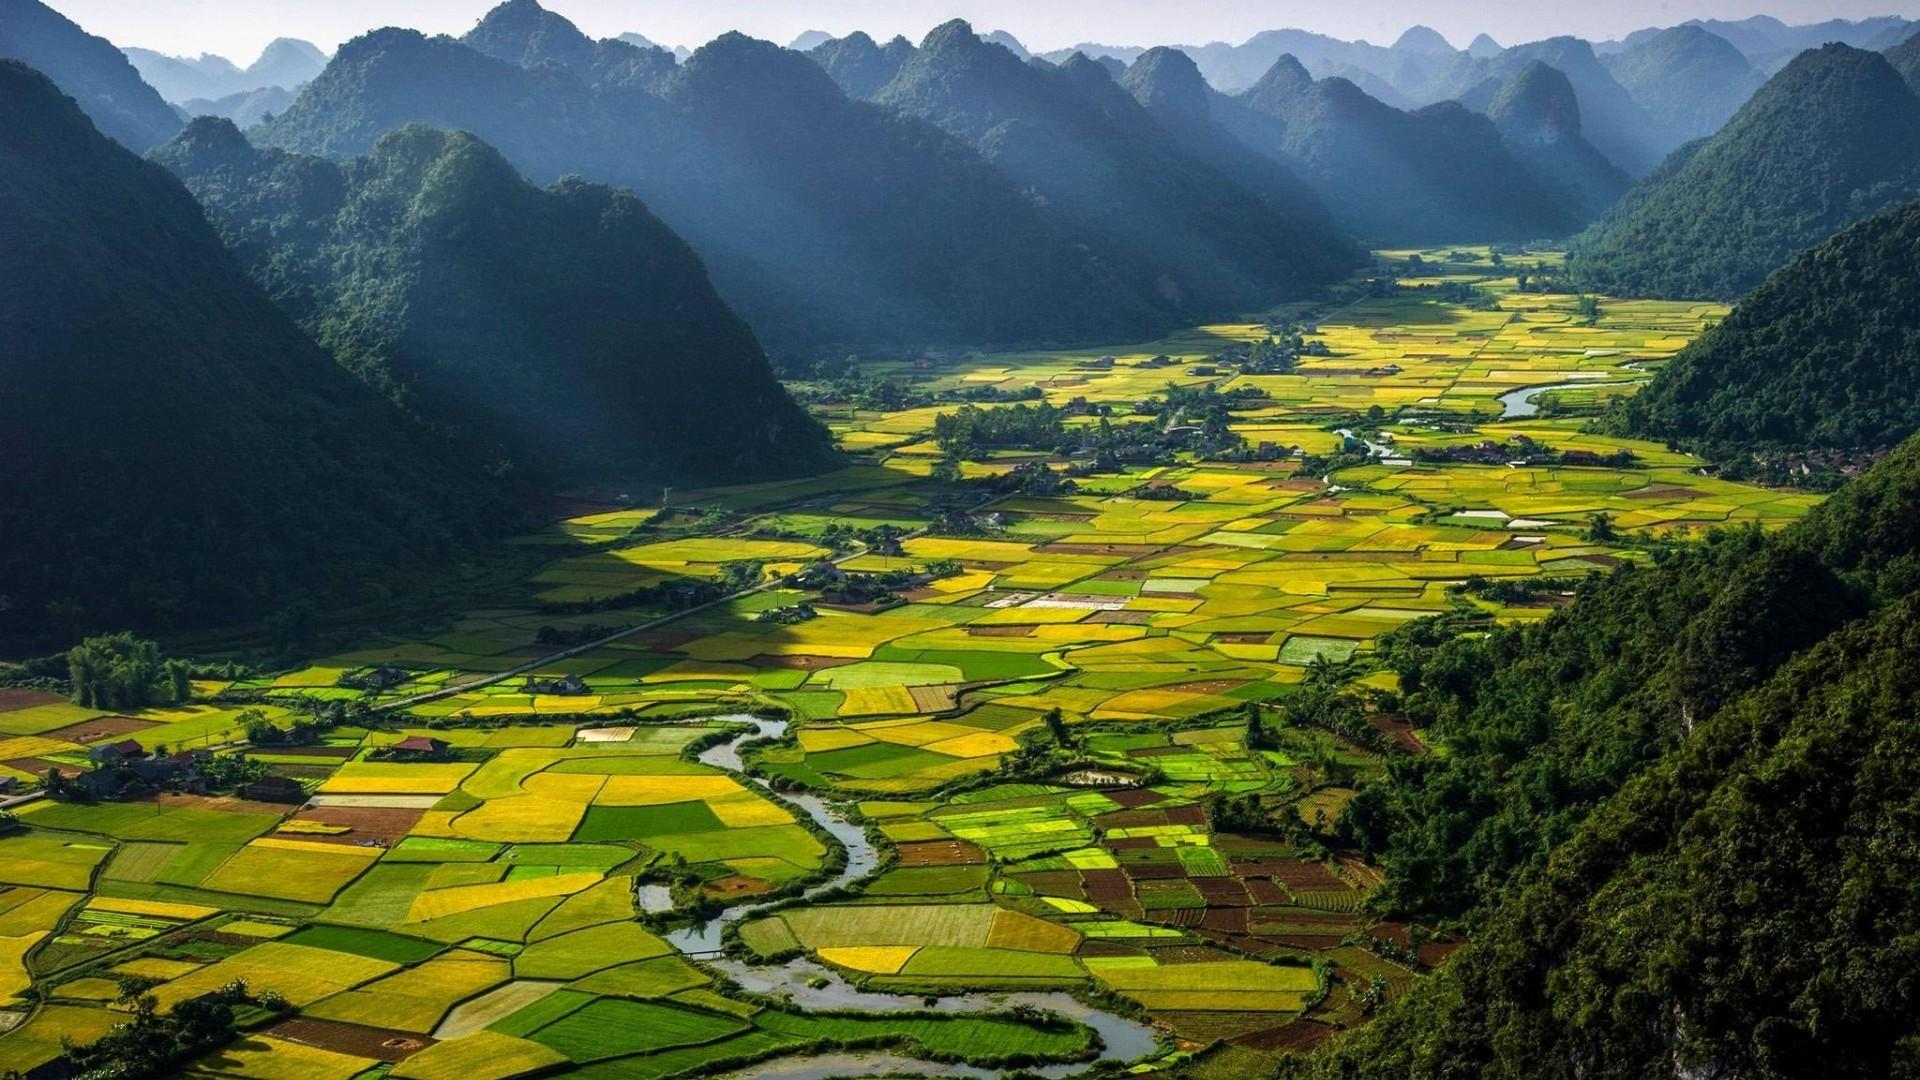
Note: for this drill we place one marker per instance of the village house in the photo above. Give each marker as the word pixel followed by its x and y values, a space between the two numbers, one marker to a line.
pixel 380 678
pixel 108 754
pixel 119 765
pixel 566 686
pixel 275 789
pixel 178 771
pixel 418 748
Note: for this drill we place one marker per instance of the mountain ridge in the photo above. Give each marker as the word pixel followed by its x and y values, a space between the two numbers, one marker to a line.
pixel 1825 354
pixel 1164 215
pixel 229 465
pixel 398 262
pixel 829 224
pixel 1831 139
pixel 1440 174
pixel 285 62
pixel 90 70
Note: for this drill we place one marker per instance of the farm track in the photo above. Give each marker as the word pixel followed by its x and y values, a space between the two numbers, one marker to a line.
pixel 495 678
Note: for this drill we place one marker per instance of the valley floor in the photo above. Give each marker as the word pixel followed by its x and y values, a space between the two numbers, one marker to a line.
pixel 465 909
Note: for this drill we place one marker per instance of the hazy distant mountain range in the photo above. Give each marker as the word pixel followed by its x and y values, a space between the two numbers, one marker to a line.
pixel 962 191
pixel 823 220
pixel 287 63
pixel 88 69
pixel 1640 98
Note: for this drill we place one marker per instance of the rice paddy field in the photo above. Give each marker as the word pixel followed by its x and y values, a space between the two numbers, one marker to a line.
pixel 1133 891
pixel 501 906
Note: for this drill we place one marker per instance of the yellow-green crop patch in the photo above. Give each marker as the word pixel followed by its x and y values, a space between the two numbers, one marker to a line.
pixel 512 886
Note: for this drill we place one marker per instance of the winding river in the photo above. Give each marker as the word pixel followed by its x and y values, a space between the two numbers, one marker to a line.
pixel 811 985
pixel 1525 401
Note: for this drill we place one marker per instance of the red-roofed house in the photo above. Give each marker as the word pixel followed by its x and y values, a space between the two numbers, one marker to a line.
pixel 116 752
pixel 418 746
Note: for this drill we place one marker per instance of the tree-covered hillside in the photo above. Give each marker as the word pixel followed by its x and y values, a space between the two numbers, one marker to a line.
pixel 565 330
pixel 1833 138
pixel 1169 86
pixel 861 67
pixel 829 224
pixel 89 70
pixel 1538 116
pixel 1687 807
pixel 1166 218
pixel 1438 175
pixel 1824 354
pixel 1691 81
pixel 1614 122
pixel 177 451
pixel 1905 58
pixel 245 109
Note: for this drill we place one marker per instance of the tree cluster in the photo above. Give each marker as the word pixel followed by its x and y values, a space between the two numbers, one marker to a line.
pixel 121 671
pixel 1679 816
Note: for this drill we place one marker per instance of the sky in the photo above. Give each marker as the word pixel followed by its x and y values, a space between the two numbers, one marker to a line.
pixel 239 29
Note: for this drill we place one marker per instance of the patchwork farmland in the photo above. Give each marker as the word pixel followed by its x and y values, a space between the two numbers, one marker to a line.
pixel 1097 719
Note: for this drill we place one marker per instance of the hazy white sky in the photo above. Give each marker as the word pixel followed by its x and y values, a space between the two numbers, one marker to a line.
pixel 239 28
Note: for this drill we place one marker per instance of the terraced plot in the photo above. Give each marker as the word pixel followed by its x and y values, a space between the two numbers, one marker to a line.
pixel 473 915
pixel 1112 605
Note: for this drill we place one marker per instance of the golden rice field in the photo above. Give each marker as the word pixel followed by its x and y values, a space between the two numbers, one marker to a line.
pixel 1105 605
pixel 477 912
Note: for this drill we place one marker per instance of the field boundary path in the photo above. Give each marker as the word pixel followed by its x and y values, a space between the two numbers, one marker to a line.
pixel 495 678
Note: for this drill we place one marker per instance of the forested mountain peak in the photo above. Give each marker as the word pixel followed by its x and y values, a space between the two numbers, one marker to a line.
pixel 1905 58
pixel 90 70
pixel 1538 106
pixel 1688 43
pixel 523 33
pixel 566 331
pixel 1688 78
pixel 1074 136
pixel 1824 354
pixel 1834 137
pixel 738 72
pixel 218 433
pixel 960 69
pixel 956 35
pixel 1287 76
pixel 1424 39
pixel 860 66
pixel 1097 83
pixel 208 141
pixel 1437 174
pixel 1538 115
pixel 1169 85
pixel 287 62
pixel 1828 81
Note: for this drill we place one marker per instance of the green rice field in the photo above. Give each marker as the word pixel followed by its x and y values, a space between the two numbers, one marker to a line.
pixel 502 906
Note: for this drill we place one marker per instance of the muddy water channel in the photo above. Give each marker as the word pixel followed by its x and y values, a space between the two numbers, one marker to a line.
pixel 812 986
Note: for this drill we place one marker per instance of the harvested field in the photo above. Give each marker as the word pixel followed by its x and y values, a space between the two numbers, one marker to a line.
pixel 380 1044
